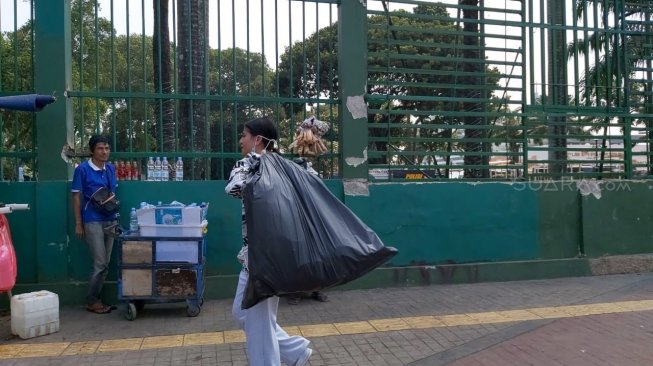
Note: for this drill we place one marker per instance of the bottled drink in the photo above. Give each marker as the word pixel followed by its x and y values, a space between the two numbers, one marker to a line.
pixel 165 170
pixel 21 173
pixel 136 173
pixel 127 171
pixel 179 169
pixel 150 168
pixel 120 170
pixel 133 221
pixel 205 207
pixel 157 169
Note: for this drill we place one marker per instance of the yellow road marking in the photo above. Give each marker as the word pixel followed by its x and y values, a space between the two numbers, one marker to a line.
pixel 9 351
pixel 385 325
pixel 293 330
pixel 43 349
pixel 354 327
pixel 318 330
pixel 129 344
pixel 81 348
pixel 203 339
pixel 163 342
pixel 550 313
pixel 457 320
pixel 234 336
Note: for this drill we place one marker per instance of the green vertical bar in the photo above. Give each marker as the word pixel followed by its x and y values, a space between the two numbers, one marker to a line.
pixel 54 126
pixel 304 54
pixel 276 55
pixel 588 101
pixel 576 69
pixel 526 36
pixel 52 74
pixel 221 137
pixel 97 69
pixel 627 122
pixel 249 61
pixel 352 69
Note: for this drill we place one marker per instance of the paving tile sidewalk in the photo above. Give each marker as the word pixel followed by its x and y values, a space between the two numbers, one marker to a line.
pixel 458 344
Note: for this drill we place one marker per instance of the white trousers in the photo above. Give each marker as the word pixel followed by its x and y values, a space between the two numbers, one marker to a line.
pixel 267 343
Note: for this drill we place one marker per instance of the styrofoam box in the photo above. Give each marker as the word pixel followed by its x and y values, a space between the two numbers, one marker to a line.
pixel 177 251
pixel 170 215
pixel 174 231
pixel 34 314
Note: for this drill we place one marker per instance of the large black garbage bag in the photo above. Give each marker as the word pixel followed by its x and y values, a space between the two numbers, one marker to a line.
pixel 301 237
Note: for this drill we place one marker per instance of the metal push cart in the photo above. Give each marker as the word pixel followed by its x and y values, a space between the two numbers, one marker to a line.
pixel 156 269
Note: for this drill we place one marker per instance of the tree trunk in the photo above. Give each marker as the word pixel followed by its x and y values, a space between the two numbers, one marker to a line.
pixel 163 110
pixel 475 68
pixel 192 52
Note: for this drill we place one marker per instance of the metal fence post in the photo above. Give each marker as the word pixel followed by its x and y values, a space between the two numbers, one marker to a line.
pixel 52 74
pixel 352 77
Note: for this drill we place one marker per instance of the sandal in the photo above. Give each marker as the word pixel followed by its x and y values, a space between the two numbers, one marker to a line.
pixel 98 308
pixel 318 296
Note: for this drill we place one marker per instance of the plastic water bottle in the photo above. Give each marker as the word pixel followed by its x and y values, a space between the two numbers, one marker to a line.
pixel 165 170
pixel 133 221
pixel 179 170
pixel 157 169
pixel 205 207
pixel 21 173
pixel 150 168
pixel 136 171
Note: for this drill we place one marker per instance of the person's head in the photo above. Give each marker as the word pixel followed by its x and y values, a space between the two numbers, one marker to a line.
pixel 258 135
pixel 99 147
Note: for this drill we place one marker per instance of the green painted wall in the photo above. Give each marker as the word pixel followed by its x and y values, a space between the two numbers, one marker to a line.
pixel 453 222
pixel 460 224
pixel 560 229
pixel 620 221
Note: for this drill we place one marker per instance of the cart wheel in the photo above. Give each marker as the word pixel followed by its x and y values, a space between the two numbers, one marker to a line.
pixel 202 301
pixel 140 305
pixel 193 309
pixel 131 311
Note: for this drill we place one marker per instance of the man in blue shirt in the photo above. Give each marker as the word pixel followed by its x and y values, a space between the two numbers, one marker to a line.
pixel 90 224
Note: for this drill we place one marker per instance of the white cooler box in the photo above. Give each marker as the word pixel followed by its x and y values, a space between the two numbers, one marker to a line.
pixel 170 215
pixel 174 231
pixel 34 314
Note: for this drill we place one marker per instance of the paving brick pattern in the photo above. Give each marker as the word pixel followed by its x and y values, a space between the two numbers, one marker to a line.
pixel 623 338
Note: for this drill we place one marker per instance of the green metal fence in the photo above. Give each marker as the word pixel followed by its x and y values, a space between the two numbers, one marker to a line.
pixel 456 89
pixel 18 140
pixel 510 89
pixel 178 78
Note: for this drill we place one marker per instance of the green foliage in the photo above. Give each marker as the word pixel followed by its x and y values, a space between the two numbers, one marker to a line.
pixel 16 77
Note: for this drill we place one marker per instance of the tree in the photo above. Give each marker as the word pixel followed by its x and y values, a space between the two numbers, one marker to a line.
pixel 165 129
pixel 410 79
pixel 91 48
pixel 16 75
pixel 192 53
pixel 132 120
pixel 230 76
pixel 619 55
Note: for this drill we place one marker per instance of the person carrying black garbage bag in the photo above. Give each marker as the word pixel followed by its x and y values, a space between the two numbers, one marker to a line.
pixel 267 343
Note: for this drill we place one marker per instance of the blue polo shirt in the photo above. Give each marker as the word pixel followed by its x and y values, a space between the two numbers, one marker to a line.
pixel 87 179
